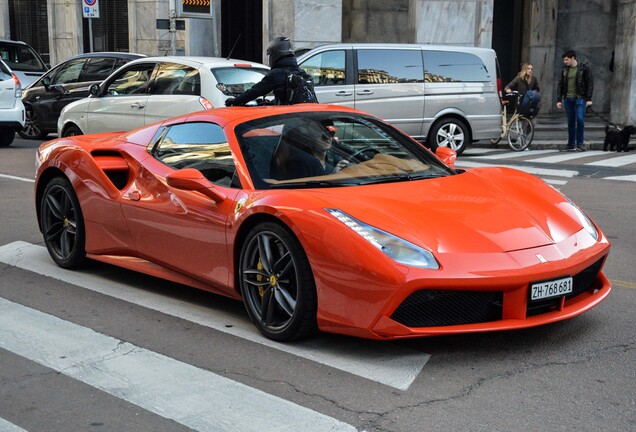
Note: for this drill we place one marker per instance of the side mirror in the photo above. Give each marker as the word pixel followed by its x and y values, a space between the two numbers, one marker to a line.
pixel 446 155
pixel 94 89
pixel 46 82
pixel 193 180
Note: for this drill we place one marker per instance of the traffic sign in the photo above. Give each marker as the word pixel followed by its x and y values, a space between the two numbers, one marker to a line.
pixel 194 8
pixel 90 9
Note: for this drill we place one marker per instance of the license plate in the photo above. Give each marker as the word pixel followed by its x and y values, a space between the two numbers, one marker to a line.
pixel 549 289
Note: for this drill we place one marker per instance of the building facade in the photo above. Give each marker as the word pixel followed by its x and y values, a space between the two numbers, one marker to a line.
pixel 603 32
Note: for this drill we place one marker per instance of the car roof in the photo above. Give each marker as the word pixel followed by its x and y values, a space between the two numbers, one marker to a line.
pixel 356 45
pixel 197 62
pixel 13 42
pixel 109 54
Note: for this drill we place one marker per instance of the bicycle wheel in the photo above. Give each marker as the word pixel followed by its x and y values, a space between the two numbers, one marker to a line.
pixel 520 133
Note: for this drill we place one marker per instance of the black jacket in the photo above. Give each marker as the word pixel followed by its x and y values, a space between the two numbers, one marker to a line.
pixel 584 83
pixel 275 81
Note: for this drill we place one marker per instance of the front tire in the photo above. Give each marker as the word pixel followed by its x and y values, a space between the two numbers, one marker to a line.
pixel 520 134
pixel 277 284
pixel 32 128
pixel 449 132
pixel 72 131
pixel 62 224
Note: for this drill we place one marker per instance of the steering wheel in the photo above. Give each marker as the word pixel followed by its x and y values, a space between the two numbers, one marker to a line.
pixel 352 157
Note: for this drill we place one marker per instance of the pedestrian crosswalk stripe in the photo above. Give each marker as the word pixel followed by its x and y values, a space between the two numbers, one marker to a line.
pixel 565 156
pixel 6 426
pixel 615 161
pixel 10 177
pixel 388 364
pixel 193 397
pixel 622 178
pixel 528 169
pixel 512 154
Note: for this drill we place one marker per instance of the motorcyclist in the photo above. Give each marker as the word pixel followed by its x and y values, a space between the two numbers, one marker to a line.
pixel 282 61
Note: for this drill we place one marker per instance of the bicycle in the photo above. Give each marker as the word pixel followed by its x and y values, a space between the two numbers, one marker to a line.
pixel 519 128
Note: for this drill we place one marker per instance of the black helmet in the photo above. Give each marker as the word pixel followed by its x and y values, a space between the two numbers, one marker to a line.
pixel 279 48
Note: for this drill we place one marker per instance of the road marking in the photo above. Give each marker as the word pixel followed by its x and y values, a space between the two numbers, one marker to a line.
pixel 194 397
pixel 388 364
pixel 566 156
pixel 513 154
pixel 622 178
pixel 622 283
pixel 6 426
pixel 615 161
pixel 529 170
pixel 10 177
pixel 471 151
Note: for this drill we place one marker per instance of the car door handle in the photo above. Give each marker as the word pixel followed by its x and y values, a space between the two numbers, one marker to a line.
pixel 134 195
pixel 137 105
pixel 344 93
pixel 365 92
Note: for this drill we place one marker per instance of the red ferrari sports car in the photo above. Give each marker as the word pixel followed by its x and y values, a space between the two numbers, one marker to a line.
pixel 322 218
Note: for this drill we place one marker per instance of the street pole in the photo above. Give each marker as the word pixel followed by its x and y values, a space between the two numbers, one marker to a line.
pixel 173 27
pixel 90 34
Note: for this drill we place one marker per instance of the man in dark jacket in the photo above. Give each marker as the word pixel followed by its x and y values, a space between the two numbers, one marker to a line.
pixel 574 93
pixel 282 62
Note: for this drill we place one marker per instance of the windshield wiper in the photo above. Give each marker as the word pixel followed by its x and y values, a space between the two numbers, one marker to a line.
pixel 401 178
pixel 311 184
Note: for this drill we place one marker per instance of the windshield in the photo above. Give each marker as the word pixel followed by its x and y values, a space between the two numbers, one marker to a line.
pixel 21 58
pixel 330 149
pixel 238 79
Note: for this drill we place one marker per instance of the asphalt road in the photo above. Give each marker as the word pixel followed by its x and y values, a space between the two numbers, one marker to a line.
pixel 110 350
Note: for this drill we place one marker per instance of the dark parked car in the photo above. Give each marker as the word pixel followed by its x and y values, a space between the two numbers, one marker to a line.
pixel 65 83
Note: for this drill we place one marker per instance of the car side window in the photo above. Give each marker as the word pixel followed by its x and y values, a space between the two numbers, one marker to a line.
pixel 381 66
pixel 327 68
pixel 98 69
pixel 133 80
pixel 449 66
pixel 198 145
pixel 69 73
pixel 173 78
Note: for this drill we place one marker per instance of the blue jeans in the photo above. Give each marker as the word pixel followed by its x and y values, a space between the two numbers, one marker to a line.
pixel 575 113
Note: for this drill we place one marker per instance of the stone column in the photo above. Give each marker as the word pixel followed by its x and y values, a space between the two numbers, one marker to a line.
pixel 623 91
pixel 539 47
pixel 453 22
pixel 65 29
pixel 305 22
pixel 4 20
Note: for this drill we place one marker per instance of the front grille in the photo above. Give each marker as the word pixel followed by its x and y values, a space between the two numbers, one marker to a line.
pixel 431 308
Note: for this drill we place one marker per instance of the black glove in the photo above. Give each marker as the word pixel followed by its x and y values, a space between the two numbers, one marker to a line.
pixel 230 101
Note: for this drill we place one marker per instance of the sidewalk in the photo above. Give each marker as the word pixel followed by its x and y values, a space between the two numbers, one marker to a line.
pixel 551 132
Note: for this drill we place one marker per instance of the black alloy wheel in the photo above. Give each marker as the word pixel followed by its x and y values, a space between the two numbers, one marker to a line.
pixel 32 126
pixel 72 131
pixel 62 224
pixel 277 284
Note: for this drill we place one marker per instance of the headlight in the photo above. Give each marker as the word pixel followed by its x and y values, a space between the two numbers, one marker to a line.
pixel 587 223
pixel 398 249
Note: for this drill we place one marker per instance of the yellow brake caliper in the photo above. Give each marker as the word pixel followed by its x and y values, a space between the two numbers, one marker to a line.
pixel 259 278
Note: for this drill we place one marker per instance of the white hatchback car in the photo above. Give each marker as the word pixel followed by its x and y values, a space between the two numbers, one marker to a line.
pixel 153 89
pixel 11 107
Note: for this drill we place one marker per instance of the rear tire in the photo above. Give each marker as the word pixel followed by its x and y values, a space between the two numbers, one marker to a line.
pixel 449 132
pixel 7 135
pixel 520 134
pixel 62 224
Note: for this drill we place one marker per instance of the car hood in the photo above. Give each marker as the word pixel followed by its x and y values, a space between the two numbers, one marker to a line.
pixel 480 211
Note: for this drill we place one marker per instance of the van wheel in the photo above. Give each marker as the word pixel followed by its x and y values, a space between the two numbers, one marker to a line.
pixel 449 132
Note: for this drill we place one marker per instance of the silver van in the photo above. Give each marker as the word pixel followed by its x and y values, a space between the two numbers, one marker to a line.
pixel 446 95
